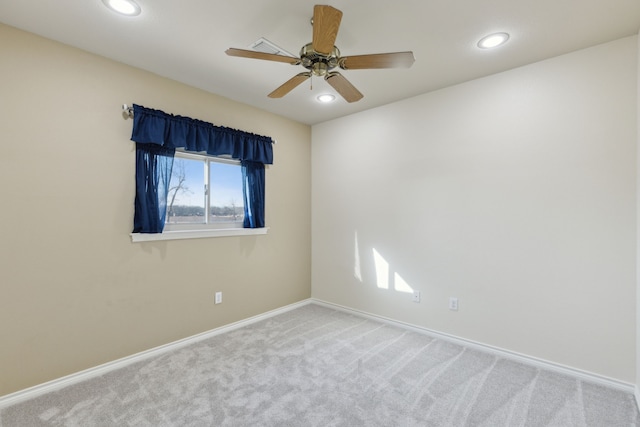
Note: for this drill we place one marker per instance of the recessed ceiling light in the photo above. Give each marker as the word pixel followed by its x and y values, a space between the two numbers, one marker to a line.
pixel 493 40
pixel 124 7
pixel 326 97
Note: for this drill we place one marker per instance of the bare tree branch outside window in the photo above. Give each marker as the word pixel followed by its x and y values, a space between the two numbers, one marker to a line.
pixel 178 179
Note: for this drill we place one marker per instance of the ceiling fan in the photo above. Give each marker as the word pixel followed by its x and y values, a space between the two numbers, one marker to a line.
pixel 320 57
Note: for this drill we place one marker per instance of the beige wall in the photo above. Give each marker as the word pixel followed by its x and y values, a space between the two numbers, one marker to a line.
pixel 637 388
pixel 515 193
pixel 74 291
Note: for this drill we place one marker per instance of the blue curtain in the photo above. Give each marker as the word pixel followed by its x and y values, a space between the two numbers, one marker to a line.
pixel 253 191
pixel 157 135
pixel 153 173
pixel 157 127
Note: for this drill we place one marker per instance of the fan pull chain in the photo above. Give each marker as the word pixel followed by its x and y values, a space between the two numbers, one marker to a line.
pixel 311 82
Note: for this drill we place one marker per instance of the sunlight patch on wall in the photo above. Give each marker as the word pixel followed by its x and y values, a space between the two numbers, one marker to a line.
pixel 382 270
pixel 383 275
pixel 357 270
pixel 400 285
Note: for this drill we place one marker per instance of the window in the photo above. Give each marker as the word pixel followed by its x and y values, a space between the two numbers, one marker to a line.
pixel 158 136
pixel 205 192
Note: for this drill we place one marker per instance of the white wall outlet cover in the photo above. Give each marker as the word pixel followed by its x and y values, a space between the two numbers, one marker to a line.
pixel 416 296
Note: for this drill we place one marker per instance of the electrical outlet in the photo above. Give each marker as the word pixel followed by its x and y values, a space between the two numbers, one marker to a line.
pixel 416 296
pixel 218 297
pixel 453 304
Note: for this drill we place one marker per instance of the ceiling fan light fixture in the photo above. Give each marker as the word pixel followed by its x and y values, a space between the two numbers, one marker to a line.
pixel 123 7
pixel 326 98
pixel 321 56
pixel 493 40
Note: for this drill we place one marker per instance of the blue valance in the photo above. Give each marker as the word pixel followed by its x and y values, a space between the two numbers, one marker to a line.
pixel 157 127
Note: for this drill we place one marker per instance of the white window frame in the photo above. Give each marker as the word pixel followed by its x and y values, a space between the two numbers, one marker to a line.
pixel 200 230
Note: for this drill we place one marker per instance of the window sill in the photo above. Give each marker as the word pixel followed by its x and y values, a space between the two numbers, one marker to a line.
pixel 196 234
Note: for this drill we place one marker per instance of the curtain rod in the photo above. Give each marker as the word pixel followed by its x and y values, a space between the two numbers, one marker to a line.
pixel 127 113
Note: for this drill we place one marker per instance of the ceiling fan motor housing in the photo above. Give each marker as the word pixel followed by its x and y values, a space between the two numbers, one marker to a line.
pixel 319 64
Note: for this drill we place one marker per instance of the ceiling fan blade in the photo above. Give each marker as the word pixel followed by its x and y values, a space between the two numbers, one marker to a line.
pixel 289 85
pixel 378 60
pixel 326 22
pixel 344 87
pixel 261 55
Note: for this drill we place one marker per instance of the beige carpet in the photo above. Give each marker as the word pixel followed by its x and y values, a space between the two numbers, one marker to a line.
pixel 315 366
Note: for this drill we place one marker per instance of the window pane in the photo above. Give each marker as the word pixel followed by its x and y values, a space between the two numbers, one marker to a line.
pixel 185 201
pixel 225 183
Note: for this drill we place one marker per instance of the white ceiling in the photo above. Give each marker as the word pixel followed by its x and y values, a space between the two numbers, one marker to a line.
pixel 186 40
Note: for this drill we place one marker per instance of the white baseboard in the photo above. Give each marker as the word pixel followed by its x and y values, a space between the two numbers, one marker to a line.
pixel 530 360
pixel 57 384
